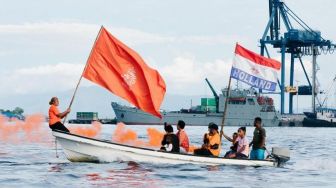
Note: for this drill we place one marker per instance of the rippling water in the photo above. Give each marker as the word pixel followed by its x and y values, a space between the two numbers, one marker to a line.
pixel 312 164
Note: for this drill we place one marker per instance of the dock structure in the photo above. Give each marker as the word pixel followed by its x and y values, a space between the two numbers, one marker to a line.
pixel 297 42
pixel 85 118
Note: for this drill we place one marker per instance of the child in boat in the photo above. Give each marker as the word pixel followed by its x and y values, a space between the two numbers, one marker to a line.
pixel 234 140
pixel 243 145
pixel 170 140
pixel 183 137
pixel 211 146
pixel 55 116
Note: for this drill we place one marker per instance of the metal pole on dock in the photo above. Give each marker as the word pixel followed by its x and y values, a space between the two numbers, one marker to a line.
pixel 314 49
pixel 297 96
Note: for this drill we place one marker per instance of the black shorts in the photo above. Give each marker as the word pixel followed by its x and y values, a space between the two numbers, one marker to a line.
pixel 202 152
pixel 241 156
pixel 59 126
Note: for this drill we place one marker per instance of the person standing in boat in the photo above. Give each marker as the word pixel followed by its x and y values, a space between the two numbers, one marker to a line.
pixel 170 140
pixel 211 146
pixel 55 116
pixel 234 140
pixel 243 145
pixel 183 137
pixel 258 142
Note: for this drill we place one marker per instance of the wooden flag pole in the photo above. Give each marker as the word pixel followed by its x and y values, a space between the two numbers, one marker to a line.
pixel 225 108
pixel 80 79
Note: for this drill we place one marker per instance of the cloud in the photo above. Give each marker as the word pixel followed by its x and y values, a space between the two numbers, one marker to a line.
pixel 89 31
pixel 185 75
pixel 40 79
pixel 72 41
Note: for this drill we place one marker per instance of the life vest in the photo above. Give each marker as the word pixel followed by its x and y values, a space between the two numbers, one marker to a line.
pixel 214 140
pixel 184 140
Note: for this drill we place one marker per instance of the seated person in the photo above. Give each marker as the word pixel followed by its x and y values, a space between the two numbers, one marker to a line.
pixel 183 137
pixel 233 148
pixel 243 145
pixel 211 146
pixel 170 140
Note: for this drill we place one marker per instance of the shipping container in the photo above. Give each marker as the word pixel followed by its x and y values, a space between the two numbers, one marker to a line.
pixel 87 116
pixel 208 101
pixel 208 108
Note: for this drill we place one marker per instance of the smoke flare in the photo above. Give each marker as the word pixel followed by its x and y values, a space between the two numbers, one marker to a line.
pixel 14 130
pixel 128 136
pixel 91 131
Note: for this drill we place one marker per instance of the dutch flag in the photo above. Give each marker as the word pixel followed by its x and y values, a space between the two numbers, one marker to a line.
pixel 254 69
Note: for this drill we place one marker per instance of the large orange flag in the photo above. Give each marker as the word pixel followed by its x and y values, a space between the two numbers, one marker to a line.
pixel 122 71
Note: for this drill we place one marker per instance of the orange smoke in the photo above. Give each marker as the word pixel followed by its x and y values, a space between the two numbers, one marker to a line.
pixel 154 137
pixel 192 148
pixel 14 130
pixel 128 136
pixel 91 131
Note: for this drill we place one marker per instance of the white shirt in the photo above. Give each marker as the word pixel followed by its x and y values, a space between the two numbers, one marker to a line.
pixel 241 143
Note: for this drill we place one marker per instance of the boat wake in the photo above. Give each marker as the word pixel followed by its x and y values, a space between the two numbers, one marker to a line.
pixel 317 164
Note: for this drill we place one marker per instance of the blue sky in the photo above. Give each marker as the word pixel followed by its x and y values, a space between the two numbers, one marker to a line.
pixel 44 44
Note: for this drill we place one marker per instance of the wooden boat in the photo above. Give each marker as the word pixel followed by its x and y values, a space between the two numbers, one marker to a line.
pixel 83 149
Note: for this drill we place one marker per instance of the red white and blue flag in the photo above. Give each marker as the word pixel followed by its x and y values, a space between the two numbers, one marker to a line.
pixel 255 70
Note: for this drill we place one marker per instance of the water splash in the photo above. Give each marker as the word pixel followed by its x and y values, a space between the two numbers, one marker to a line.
pixel 317 164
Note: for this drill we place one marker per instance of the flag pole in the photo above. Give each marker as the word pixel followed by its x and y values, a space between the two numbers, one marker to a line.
pixel 80 79
pixel 226 103
pixel 225 107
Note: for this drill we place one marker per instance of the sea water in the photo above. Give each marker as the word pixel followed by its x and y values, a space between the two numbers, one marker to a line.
pixel 312 164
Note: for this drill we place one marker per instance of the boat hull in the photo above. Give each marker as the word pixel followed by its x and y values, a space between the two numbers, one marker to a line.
pixel 82 149
pixel 311 122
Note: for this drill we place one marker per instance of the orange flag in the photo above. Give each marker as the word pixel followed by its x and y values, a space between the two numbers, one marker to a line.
pixel 122 71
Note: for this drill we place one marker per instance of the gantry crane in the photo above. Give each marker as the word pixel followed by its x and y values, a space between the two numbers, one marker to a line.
pixel 298 42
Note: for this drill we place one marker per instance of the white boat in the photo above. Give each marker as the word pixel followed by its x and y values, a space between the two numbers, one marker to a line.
pixel 82 149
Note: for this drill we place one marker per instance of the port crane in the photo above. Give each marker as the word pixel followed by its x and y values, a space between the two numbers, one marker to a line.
pixel 214 93
pixel 297 42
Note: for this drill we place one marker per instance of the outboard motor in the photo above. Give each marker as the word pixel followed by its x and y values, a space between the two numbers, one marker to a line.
pixel 282 155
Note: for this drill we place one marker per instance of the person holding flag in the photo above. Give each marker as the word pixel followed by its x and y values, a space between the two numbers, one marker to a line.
pixel 254 70
pixel 55 116
pixel 119 69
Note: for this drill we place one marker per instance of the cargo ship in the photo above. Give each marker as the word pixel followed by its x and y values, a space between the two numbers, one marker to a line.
pixel 243 106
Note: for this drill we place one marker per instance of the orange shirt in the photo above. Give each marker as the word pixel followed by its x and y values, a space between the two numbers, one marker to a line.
pixel 214 139
pixel 53 111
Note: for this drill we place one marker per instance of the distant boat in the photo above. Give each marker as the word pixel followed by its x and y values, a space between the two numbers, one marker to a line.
pixel 243 107
pixel 82 149
pixel 323 117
